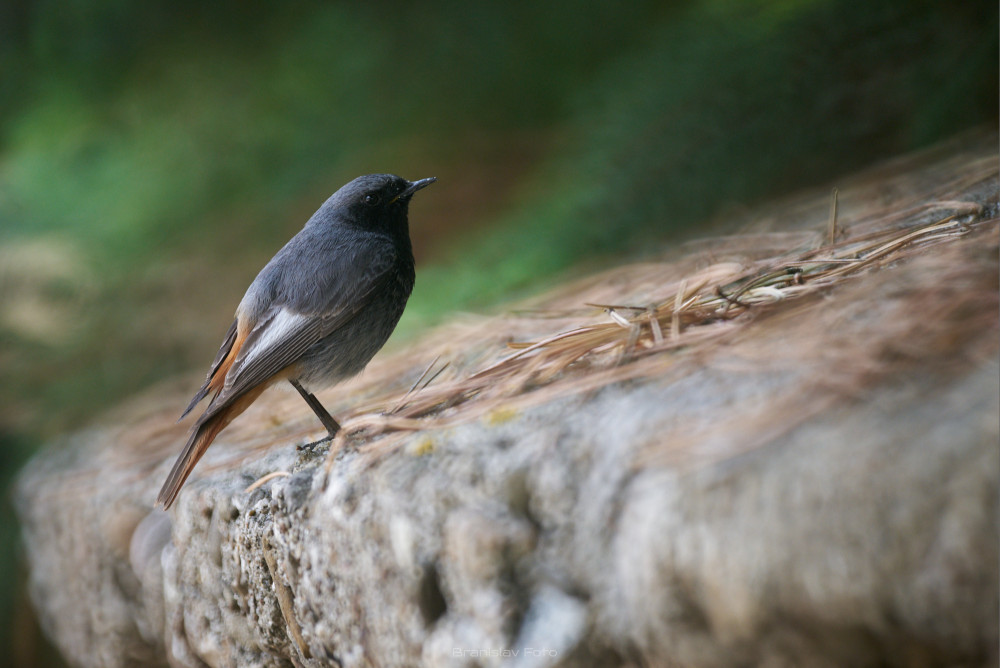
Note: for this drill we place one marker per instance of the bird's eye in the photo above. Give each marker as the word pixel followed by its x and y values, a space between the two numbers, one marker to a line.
pixel 372 199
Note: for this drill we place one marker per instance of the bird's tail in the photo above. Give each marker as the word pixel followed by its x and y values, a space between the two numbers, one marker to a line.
pixel 202 435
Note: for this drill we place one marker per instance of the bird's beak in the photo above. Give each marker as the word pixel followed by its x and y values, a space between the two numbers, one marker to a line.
pixel 414 187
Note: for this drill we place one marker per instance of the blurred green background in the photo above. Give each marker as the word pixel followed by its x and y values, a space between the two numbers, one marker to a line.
pixel 154 155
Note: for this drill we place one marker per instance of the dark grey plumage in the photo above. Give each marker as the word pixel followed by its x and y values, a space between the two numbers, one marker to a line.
pixel 316 313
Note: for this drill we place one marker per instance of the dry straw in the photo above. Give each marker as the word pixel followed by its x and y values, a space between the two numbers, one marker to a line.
pixel 620 341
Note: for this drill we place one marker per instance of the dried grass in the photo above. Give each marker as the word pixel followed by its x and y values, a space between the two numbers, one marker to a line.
pixel 613 340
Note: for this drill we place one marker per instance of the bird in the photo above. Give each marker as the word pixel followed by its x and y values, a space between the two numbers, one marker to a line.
pixel 316 313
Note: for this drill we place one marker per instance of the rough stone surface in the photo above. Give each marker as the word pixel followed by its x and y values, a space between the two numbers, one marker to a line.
pixel 819 488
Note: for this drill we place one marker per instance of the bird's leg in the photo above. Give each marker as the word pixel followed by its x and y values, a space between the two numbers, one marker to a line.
pixel 332 427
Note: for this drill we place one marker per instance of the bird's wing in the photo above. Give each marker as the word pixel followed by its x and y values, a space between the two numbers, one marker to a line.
pixel 224 350
pixel 292 324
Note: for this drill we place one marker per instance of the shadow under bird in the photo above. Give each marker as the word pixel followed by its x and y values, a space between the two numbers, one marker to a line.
pixel 316 313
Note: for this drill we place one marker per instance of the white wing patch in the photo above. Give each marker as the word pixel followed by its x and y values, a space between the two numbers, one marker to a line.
pixel 275 330
pixel 281 325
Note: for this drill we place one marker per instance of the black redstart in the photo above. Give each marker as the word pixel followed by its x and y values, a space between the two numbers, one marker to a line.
pixel 316 313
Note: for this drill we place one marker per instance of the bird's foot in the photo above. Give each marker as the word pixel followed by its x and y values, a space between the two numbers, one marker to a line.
pixel 311 447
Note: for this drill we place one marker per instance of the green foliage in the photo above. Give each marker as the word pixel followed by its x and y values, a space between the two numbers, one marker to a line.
pixel 724 103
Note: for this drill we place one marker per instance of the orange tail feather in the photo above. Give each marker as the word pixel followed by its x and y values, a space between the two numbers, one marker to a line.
pixel 201 437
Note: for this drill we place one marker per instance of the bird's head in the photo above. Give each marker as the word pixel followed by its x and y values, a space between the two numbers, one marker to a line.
pixel 373 201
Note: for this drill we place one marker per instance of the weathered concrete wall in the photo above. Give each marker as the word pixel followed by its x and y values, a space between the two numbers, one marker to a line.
pixel 816 483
